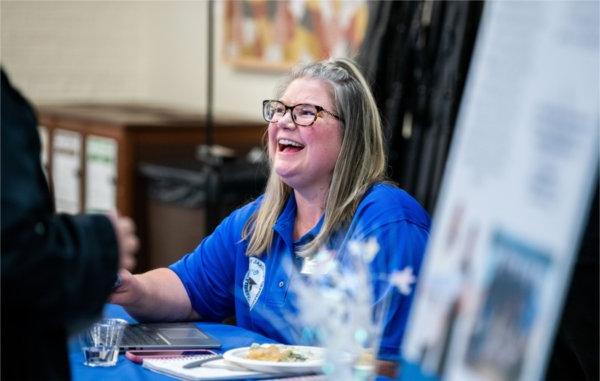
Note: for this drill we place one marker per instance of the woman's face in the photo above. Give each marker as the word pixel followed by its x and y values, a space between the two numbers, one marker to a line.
pixel 304 157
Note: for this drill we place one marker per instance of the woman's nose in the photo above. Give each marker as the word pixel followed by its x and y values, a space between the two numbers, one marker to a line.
pixel 286 121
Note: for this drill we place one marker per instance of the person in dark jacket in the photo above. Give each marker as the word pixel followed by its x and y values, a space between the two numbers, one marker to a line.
pixel 57 269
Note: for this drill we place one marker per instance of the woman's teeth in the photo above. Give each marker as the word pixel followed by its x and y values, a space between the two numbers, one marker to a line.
pixel 286 144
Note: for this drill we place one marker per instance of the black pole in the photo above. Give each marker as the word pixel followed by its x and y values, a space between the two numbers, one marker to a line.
pixel 212 165
pixel 209 130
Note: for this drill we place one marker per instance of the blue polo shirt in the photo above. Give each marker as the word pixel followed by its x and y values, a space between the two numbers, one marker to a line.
pixel 221 280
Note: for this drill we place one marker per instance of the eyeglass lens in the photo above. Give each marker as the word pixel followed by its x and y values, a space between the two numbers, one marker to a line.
pixel 302 114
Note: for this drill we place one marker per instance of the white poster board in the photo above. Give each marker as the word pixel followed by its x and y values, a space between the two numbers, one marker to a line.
pixel 515 194
pixel 101 174
pixel 66 170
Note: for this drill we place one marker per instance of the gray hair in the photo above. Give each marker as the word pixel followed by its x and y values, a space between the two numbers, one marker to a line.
pixel 361 161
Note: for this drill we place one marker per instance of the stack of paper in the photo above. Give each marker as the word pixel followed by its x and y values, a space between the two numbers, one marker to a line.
pixel 213 370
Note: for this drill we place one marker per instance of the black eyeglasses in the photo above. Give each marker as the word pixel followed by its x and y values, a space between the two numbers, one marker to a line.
pixel 303 114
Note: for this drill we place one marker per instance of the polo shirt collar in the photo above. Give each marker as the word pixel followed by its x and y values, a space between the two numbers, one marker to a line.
pixel 285 221
pixel 284 225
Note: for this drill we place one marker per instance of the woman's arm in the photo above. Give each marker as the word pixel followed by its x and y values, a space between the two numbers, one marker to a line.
pixel 156 295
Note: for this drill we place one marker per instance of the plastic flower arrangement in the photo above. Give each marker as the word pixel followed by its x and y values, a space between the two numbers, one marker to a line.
pixel 338 311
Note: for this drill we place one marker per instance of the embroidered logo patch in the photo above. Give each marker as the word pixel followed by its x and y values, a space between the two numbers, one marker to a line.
pixel 254 281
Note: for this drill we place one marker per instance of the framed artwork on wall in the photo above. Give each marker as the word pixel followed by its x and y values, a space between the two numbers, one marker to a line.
pixel 277 34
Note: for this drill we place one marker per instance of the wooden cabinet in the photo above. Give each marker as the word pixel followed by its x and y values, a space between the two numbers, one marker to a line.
pixel 139 133
pixel 93 150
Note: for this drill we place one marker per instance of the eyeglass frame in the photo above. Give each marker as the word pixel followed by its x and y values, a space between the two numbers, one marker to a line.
pixel 291 108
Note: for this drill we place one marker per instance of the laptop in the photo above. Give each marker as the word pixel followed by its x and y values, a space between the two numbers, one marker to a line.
pixel 165 336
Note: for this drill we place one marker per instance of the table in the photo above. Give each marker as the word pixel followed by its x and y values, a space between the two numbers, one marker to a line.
pixel 229 336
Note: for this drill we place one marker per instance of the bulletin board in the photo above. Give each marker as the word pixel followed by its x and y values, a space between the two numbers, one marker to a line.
pixel 275 35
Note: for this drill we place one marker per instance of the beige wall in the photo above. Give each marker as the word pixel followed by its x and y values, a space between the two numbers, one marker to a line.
pixel 141 51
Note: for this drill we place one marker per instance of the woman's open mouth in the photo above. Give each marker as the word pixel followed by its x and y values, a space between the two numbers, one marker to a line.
pixel 286 145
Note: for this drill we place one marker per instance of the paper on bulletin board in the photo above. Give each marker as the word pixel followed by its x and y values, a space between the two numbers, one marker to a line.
pixel 101 174
pixel 44 137
pixel 66 170
pixel 516 191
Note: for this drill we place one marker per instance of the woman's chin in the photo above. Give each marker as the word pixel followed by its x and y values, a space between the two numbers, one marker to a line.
pixel 287 176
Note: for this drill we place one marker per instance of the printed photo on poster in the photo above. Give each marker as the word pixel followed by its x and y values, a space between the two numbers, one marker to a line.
pixel 515 275
pixel 276 35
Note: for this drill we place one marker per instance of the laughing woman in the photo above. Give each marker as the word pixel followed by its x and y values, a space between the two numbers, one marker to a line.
pixel 326 187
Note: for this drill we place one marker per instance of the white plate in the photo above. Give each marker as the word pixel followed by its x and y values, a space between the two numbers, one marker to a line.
pixel 312 365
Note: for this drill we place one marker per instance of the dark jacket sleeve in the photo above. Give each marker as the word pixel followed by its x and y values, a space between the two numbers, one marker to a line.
pixel 57 268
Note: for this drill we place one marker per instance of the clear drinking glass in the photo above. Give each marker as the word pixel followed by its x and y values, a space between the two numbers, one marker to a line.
pixel 100 342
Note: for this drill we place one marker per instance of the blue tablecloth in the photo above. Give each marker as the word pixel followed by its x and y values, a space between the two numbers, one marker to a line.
pixel 229 336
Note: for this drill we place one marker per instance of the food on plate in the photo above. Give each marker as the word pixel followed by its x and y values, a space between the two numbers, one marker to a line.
pixel 365 359
pixel 278 353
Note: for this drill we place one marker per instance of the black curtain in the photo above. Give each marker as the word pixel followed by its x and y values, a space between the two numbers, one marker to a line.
pixel 416 55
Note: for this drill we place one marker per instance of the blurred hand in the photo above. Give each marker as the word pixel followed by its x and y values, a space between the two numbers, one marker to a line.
pixel 128 242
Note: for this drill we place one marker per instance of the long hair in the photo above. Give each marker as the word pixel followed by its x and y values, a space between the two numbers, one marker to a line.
pixel 360 163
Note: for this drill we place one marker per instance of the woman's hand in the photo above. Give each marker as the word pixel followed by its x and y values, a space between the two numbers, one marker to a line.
pixel 156 295
pixel 129 291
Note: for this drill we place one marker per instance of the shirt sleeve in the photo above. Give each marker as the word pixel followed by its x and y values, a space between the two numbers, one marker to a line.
pixel 395 271
pixel 62 267
pixel 402 249
pixel 208 273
